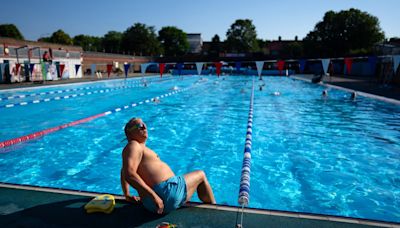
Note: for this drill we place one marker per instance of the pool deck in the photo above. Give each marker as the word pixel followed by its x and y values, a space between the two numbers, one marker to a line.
pixel 364 84
pixel 26 206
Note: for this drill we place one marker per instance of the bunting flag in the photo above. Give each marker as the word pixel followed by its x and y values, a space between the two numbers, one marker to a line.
pixel 281 65
pixel 238 65
pixel 17 66
pixel 325 64
pixel 58 69
pixel 162 67
pixel 218 66
pixel 109 69
pixel 31 67
pixel 396 60
pixel 372 60
pixel 1 72
pixel 77 68
pixel 302 63
pixel 126 69
pixel 62 66
pixel 199 67
pixel 348 62
pixel 179 67
pixel 2 66
pixel 44 70
pixel 259 65
pixel 143 67
pixel 93 69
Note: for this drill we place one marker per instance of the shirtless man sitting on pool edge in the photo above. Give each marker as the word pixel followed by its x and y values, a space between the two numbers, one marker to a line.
pixel 158 187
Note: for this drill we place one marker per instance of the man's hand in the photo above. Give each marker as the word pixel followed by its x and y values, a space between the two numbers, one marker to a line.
pixel 132 199
pixel 159 203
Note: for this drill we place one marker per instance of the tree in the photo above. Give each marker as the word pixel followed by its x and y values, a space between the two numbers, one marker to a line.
pixel 173 41
pixel 112 42
pixel 44 39
pixel 60 37
pixel 10 30
pixel 242 37
pixel 140 39
pixel 344 32
pixel 88 43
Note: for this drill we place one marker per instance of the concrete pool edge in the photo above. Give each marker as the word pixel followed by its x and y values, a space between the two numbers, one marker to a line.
pixel 221 208
pixel 364 94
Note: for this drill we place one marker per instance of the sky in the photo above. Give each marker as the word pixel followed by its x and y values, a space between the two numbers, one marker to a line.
pixel 285 18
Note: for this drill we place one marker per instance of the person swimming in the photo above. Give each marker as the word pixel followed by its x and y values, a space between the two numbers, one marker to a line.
pixel 175 88
pixel 276 93
pixel 156 100
pixel 325 93
pixel 353 95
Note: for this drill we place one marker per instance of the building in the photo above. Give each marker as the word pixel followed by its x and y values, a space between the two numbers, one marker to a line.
pixel 195 42
pixel 23 60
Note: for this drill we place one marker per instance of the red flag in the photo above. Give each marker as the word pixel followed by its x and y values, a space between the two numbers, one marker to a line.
pixel 61 69
pixel 162 66
pixel 348 62
pixel 17 65
pixel 218 65
pixel 280 64
pixel 109 69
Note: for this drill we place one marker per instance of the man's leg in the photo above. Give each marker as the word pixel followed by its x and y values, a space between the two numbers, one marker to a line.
pixel 197 180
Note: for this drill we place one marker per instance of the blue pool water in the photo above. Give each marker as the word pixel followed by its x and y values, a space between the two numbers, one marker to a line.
pixel 309 154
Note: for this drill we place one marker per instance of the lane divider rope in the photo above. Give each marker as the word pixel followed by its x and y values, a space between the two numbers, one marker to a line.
pixel 137 81
pixel 35 135
pixel 66 96
pixel 244 190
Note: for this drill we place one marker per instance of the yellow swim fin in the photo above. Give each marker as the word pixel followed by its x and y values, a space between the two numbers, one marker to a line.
pixel 102 203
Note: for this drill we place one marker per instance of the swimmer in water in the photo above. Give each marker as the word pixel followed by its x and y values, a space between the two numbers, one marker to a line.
pixel 156 100
pixel 353 95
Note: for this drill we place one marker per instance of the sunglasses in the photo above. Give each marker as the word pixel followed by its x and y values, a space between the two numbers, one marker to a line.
pixel 140 126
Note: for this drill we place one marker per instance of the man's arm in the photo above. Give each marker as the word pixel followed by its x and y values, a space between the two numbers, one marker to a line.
pixel 131 162
pixel 125 189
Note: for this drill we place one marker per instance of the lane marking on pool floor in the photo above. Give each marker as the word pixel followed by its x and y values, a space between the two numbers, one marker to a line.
pixel 71 96
pixel 38 134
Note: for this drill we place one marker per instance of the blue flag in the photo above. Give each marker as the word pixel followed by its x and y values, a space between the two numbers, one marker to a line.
pixel 77 68
pixel 238 65
pixel 126 68
pixel 179 66
pixel 372 60
pixel 302 63
pixel 93 69
pixel 31 66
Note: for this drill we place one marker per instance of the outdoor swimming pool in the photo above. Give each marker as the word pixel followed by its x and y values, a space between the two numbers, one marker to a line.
pixel 309 154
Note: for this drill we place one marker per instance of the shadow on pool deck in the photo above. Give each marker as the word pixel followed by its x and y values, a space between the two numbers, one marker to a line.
pixel 38 208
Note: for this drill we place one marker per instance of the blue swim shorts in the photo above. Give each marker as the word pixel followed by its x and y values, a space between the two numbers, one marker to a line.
pixel 173 193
